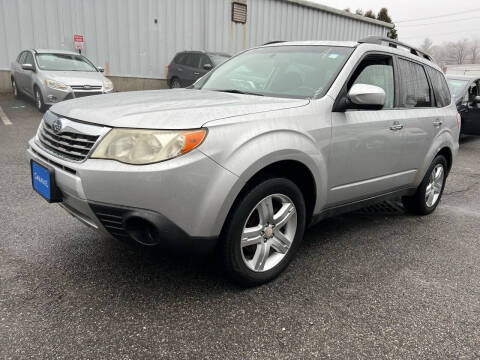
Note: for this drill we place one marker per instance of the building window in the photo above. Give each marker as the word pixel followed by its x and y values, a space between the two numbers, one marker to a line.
pixel 239 12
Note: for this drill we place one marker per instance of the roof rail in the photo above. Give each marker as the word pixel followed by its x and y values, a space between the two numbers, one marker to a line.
pixel 274 42
pixel 379 40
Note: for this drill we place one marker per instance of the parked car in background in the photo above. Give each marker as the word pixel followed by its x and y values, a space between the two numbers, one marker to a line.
pixel 466 94
pixel 51 76
pixel 188 66
pixel 277 138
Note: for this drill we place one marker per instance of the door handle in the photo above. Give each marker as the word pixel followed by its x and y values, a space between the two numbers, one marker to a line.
pixel 396 126
pixel 196 73
pixel 437 123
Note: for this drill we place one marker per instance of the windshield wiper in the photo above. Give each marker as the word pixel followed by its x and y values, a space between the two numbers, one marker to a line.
pixel 236 91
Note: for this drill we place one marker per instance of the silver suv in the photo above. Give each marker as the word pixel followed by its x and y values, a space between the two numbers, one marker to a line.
pixel 269 142
pixel 51 76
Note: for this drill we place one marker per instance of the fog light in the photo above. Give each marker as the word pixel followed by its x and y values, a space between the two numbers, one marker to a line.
pixel 52 98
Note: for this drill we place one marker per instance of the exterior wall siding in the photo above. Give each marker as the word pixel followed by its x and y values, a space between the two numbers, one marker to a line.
pixel 121 34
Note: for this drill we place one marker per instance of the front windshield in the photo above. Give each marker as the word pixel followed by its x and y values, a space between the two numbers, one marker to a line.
pixel 457 87
pixel 294 71
pixel 64 62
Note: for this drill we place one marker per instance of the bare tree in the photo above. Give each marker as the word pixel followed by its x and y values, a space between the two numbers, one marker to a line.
pixel 460 51
pixel 426 45
pixel 475 51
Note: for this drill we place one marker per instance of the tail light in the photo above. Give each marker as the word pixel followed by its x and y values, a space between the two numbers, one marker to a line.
pixel 459 121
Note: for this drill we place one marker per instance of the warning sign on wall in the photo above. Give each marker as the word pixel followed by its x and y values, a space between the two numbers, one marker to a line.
pixel 78 41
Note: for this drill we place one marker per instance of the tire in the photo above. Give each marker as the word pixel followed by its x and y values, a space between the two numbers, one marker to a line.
pixel 16 92
pixel 428 194
pixel 39 104
pixel 272 241
pixel 175 83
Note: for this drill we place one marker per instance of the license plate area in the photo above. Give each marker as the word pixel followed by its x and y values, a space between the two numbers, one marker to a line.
pixel 43 182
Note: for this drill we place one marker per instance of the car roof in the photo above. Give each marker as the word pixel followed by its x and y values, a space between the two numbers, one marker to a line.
pixel 52 51
pixel 204 52
pixel 354 44
pixel 218 53
pixel 313 43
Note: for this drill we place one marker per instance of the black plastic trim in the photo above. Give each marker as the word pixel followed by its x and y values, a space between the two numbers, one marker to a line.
pixel 355 205
pixel 115 219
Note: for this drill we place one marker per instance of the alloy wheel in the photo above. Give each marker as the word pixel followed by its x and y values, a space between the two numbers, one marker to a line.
pixel 435 185
pixel 268 232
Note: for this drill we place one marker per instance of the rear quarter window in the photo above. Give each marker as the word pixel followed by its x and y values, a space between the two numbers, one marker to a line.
pixel 440 87
pixel 180 58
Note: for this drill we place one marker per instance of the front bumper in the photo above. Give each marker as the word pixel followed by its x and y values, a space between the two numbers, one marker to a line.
pixel 182 198
pixel 53 96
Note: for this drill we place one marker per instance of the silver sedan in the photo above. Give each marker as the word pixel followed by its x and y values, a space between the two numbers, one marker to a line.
pixel 51 76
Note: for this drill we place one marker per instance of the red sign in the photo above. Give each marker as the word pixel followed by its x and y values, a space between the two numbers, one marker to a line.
pixel 78 40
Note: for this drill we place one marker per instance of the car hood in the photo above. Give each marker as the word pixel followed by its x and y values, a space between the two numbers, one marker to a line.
pixel 168 109
pixel 76 78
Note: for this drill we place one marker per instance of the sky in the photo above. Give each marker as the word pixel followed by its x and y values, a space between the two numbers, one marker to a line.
pixel 444 22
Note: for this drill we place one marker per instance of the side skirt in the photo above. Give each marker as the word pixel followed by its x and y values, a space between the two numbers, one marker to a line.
pixel 352 206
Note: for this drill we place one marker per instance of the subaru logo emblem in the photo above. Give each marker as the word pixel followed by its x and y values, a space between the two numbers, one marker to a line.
pixel 57 126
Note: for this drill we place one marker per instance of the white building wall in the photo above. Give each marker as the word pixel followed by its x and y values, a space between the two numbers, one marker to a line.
pixel 122 36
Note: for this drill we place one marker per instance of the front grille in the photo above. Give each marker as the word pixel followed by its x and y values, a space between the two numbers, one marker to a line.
pixel 69 145
pixel 54 163
pixel 86 87
pixel 86 93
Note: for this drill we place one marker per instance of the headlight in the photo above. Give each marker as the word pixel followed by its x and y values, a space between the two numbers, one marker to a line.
pixel 107 85
pixel 57 85
pixel 137 147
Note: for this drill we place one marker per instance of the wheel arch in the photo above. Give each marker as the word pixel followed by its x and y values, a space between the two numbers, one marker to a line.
pixel 447 153
pixel 293 170
pixel 171 80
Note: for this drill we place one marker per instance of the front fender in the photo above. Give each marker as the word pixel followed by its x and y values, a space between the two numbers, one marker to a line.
pixel 249 154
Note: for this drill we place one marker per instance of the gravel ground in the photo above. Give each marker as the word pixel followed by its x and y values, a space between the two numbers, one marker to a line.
pixel 370 284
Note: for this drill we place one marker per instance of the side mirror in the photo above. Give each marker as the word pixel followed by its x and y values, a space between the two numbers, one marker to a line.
pixel 27 67
pixel 101 69
pixel 208 66
pixel 476 100
pixel 364 96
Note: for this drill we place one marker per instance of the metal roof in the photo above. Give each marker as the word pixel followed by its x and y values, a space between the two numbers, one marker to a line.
pixel 346 14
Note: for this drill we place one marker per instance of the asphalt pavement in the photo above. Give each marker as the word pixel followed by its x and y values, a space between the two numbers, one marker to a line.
pixel 371 284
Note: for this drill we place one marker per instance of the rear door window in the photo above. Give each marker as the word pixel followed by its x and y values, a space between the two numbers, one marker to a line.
pixel 414 87
pixel 440 87
pixel 193 60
